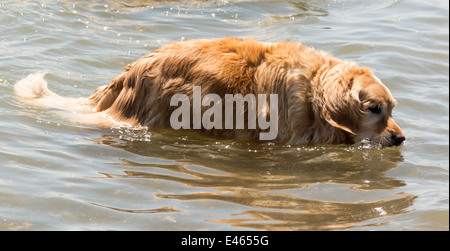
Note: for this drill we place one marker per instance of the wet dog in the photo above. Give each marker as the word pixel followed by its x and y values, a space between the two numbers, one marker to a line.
pixel 320 99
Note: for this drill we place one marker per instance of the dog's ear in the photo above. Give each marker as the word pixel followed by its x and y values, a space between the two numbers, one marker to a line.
pixel 337 125
pixel 342 112
pixel 341 109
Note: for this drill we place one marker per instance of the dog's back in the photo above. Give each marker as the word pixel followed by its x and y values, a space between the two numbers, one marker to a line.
pixel 140 95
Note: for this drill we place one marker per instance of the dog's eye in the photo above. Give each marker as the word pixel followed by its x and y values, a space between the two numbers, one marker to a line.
pixel 375 109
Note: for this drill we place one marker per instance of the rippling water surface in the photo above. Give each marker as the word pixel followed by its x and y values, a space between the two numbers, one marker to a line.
pixel 58 175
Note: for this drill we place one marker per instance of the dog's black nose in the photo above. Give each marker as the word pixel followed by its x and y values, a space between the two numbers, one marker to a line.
pixel 398 138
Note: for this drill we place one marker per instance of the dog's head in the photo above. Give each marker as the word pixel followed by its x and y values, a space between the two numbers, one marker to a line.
pixel 359 104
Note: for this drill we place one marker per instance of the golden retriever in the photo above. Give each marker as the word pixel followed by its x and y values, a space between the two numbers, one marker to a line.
pixel 320 99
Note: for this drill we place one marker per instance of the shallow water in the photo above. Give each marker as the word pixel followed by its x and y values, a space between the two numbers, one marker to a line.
pixel 58 175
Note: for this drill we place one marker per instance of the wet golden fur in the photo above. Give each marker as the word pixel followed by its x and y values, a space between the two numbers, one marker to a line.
pixel 321 99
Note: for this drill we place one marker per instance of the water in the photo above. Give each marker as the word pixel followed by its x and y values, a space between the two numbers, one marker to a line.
pixel 58 175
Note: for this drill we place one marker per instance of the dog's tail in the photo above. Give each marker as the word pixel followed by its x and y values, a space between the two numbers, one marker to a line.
pixel 34 90
pixel 33 87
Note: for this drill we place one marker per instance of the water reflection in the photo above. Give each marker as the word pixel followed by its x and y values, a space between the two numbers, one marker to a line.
pixel 262 176
pixel 141 211
pixel 303 214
